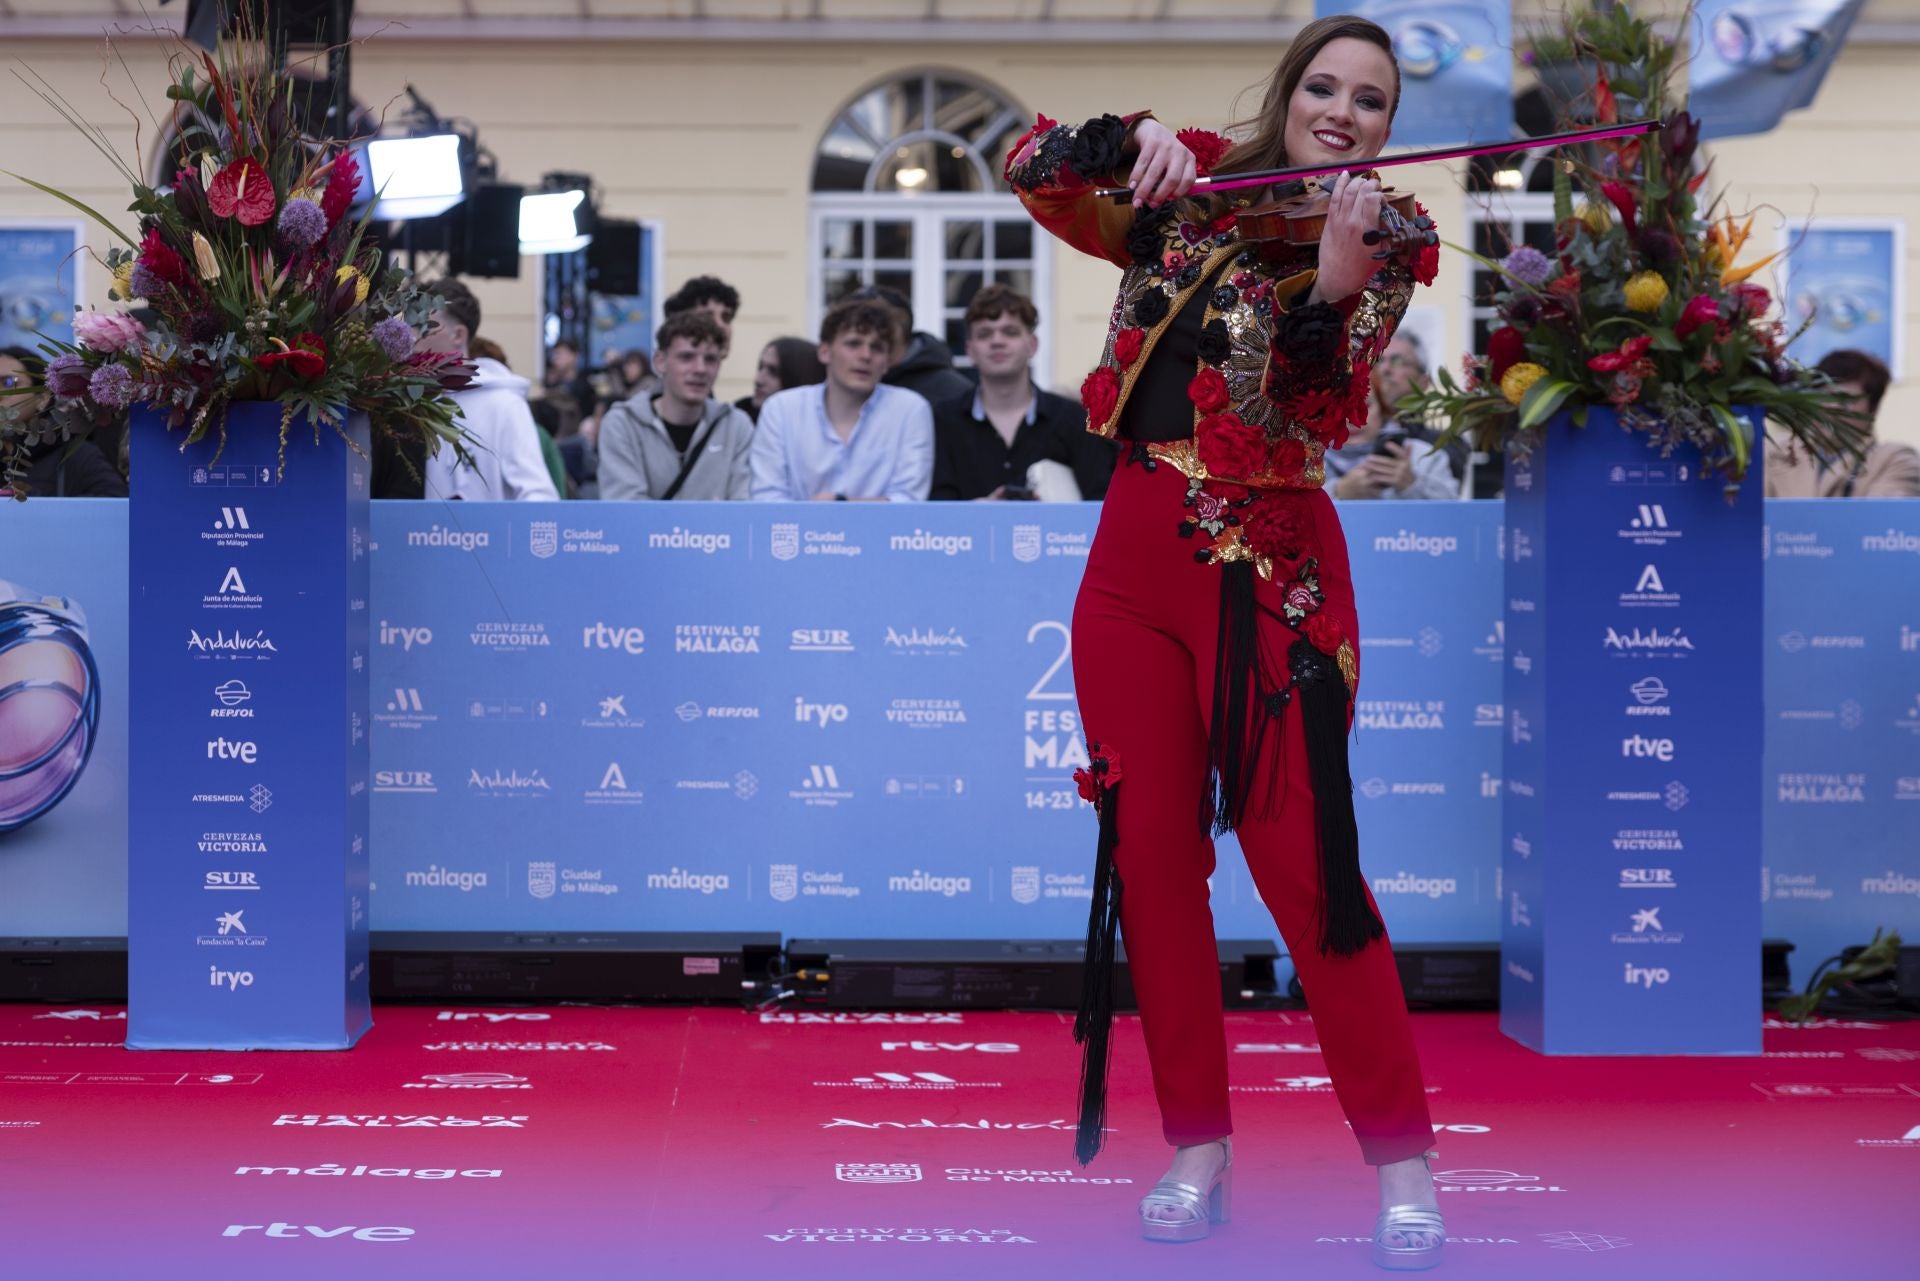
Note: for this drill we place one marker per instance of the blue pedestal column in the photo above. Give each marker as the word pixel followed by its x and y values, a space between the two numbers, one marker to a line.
pixel 247 807
pixel 1631 921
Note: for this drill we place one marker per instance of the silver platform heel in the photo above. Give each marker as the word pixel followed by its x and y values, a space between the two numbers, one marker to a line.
pixel 1203 1208
pixel 1408 1220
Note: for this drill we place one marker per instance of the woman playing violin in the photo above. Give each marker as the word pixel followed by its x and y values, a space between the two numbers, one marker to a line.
pixel 1215 647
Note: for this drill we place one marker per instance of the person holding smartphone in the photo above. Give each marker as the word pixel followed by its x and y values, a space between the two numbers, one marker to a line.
pixel 1383 459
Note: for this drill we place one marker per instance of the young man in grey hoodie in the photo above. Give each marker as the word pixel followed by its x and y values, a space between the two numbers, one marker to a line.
pixel 678 442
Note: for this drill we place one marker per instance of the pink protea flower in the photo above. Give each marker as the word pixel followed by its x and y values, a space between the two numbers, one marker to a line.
pixel 106 331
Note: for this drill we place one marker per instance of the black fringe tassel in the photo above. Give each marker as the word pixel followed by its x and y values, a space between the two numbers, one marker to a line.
pixel 1237 733
pixel 1347 920
pixel 1093 1025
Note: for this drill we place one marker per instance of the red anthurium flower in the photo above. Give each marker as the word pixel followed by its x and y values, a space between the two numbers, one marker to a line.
pixel 1623 200
pixel 1505 349
pixel 307 358
pixel 1630 350
pixel 1700 310
pixel 242 190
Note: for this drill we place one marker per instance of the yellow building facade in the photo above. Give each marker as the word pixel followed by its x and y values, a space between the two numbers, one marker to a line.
pixel 775 144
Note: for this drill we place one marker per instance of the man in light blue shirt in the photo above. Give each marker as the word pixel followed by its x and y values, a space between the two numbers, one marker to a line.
pixel 849 439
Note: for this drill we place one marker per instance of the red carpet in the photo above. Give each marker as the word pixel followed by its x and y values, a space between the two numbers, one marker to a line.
pixel 710 1143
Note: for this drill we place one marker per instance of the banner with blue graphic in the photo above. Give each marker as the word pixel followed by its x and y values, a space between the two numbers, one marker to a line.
pixel 1456 67
pixel 1756 60
pixel 1845 285
pixel 1633 749
pixel 247 914
pixel 858 722
pixel 40 266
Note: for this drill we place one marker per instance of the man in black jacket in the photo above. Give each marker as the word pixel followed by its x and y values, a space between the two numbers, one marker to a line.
pixel 925 364
pixel 986 439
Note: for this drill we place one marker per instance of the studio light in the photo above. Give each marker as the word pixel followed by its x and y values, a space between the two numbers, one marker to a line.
pixel 415 177
pixel 555 222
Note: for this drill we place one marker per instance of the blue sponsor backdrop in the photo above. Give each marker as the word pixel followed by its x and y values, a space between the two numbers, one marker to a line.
pixel 1633 751
pixel 575 727
pixel 248 806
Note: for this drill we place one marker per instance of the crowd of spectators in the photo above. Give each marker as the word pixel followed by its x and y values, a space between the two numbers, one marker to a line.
pixel 871 409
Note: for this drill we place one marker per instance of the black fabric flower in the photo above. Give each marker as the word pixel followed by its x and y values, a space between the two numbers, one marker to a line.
pixel 1214 344
pixel 1309 336
pixel 1150 309
pixel 1098 148
pixel 1224 297
pixel 1189 275
pixel 1309 665
pixel 1147 237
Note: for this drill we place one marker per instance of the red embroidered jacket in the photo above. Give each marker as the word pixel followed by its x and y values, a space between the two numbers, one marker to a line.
pixel 1276 384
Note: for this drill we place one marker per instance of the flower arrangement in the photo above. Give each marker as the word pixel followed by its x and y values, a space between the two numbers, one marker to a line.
pixel 1643 306
pixel 256 282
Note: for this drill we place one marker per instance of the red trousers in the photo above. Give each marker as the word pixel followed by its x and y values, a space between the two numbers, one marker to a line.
pixel 1143 652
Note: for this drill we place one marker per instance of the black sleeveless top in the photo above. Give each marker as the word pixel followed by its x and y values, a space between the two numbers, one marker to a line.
pixel 1159 410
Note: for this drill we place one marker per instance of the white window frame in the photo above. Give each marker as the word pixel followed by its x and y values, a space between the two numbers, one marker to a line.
pixel 928 214
pixel 1510 211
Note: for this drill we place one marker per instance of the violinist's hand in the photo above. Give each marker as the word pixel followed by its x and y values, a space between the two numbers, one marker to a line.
pixel 1346 261
pixel 1163 170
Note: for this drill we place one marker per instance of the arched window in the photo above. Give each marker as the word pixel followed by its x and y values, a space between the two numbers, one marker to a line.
pixel 907 194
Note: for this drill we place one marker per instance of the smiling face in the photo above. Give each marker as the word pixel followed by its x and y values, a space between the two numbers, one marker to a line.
pixel 1342 109
pixel 857 359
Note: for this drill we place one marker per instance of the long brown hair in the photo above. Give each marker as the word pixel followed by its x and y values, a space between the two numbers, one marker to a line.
pixel 1264 144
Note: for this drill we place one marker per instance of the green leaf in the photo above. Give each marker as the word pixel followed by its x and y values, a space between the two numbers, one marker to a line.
pixel 1736 429
pixel 1542 399
pixel 84 208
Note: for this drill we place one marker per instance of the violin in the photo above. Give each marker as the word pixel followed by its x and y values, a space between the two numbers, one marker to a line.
pixel 1292 222
pixel 1281 225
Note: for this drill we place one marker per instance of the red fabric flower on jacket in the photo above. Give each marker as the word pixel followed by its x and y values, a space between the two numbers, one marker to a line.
pixel 1100 776
pixel 1018 151
pixel 1289 458
pixel 306 358
pixel 1208 391
pixel 1700 310
pixel 1505 349
pixel 342 182
pixel 1207 148
pixel 1274 527
pixel 1426 259
pixel 1614 361
pixel 242 190
pixel 1099 394
pixel 1229 447
pixel 1126 346
pixel 1324 633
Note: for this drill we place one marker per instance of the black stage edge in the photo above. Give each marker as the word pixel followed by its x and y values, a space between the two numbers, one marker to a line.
pixel 991 974
pixel 1450 976
pixel 557 966
pixel 63 971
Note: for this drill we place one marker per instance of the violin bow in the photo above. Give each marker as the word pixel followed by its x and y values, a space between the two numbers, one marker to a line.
pixel 1232 181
